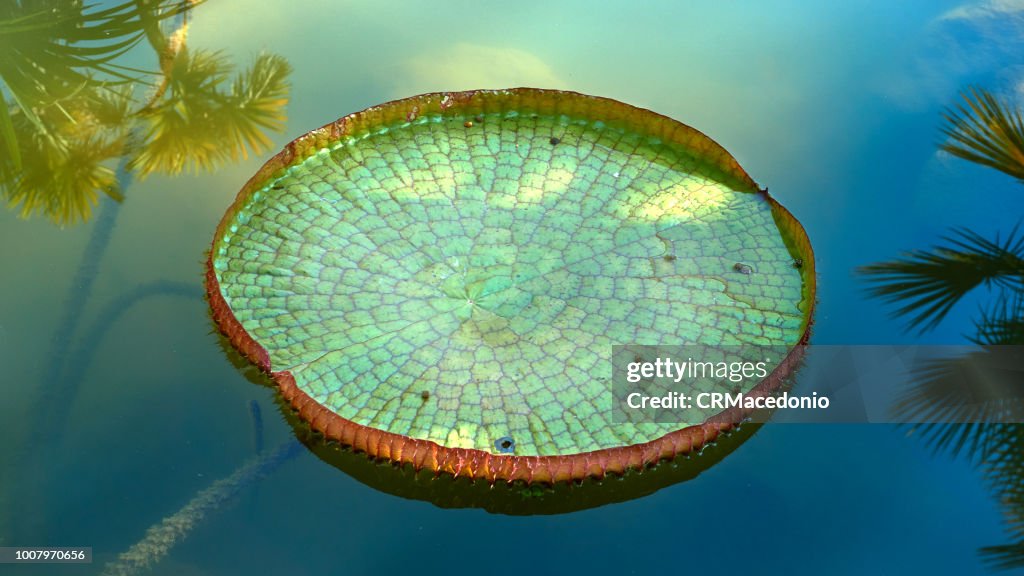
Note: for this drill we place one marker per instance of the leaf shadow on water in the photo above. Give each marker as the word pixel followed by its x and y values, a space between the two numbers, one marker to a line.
pixel 972 404
pixel 515 498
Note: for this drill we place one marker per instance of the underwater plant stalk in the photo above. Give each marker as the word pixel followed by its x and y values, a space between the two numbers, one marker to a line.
pixel 32 447
pixel 82 283
pixel 52 422
pixel 161 537
pixel 88 268
pixel 81 358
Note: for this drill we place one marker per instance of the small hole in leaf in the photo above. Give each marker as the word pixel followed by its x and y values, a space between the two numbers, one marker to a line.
pixel 505 444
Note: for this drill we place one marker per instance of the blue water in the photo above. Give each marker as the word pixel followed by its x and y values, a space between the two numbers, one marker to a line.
pixel 836 109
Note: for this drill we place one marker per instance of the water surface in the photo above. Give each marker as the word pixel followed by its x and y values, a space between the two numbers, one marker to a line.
pixel 835 109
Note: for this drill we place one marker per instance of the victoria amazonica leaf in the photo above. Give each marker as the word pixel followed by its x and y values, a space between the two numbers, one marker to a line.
pixel 440 280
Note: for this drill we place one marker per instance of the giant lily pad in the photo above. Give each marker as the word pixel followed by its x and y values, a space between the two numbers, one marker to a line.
pixel 439 280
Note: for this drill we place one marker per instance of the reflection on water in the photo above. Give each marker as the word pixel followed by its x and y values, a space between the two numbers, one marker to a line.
pixel 519 498
pixel 75 107
pixel 984 388
pixel 515 498
pixel 161 537
pixel 833 106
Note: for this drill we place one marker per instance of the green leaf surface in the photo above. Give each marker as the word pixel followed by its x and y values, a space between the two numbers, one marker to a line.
pixel 460 274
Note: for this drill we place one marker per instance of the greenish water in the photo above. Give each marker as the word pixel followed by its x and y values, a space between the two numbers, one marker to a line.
pixel 835 109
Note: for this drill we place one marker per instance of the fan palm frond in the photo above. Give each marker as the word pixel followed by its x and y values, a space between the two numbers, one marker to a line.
pixel 986 131
pixel 1003 323
pixel 256 104
pixel 973 404
pixel 994 440
pixel 72 106
pixel 63 178
pixel 66 167
pixel 1004 556
pixel 930 282
pixel 959 399
pixel 200 122
pixel 52 49
pixel 1005 473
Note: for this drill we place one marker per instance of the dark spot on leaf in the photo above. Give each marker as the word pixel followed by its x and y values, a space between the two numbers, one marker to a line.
pixel 277 187
pixel 425 395
pixel 554 141
pixel 669 257
pixel 742 268
pixel 798 263
pixel 478 118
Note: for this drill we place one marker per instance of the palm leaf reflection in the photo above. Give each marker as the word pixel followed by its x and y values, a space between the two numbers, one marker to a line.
pixel 1005 471
pixel 971 391
pixel 69 111
pixel 54 48
pixel 973 404
pixel 67 166
pixel 200 122
pixel 1003 323
pixel 927 283
pixel 997 447
pixel 986 131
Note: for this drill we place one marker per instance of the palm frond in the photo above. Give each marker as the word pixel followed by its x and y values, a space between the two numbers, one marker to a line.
pixel 1003 323
pixel 197 73
pixel 54 48
pixel 181 133
pixel 986 131
pixel 111 107
pixel 73 105
pixel 929 283
pixel 1005 473
pixel 972 404
pixel 970 439
pixel 959 398
pixel 200 123
pixel 65 168
pixel 1004 556
pixel 998 451
pixel 178 140
pixel 54 43
pixel 256 104
pixel 63 180
pixel 11 160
